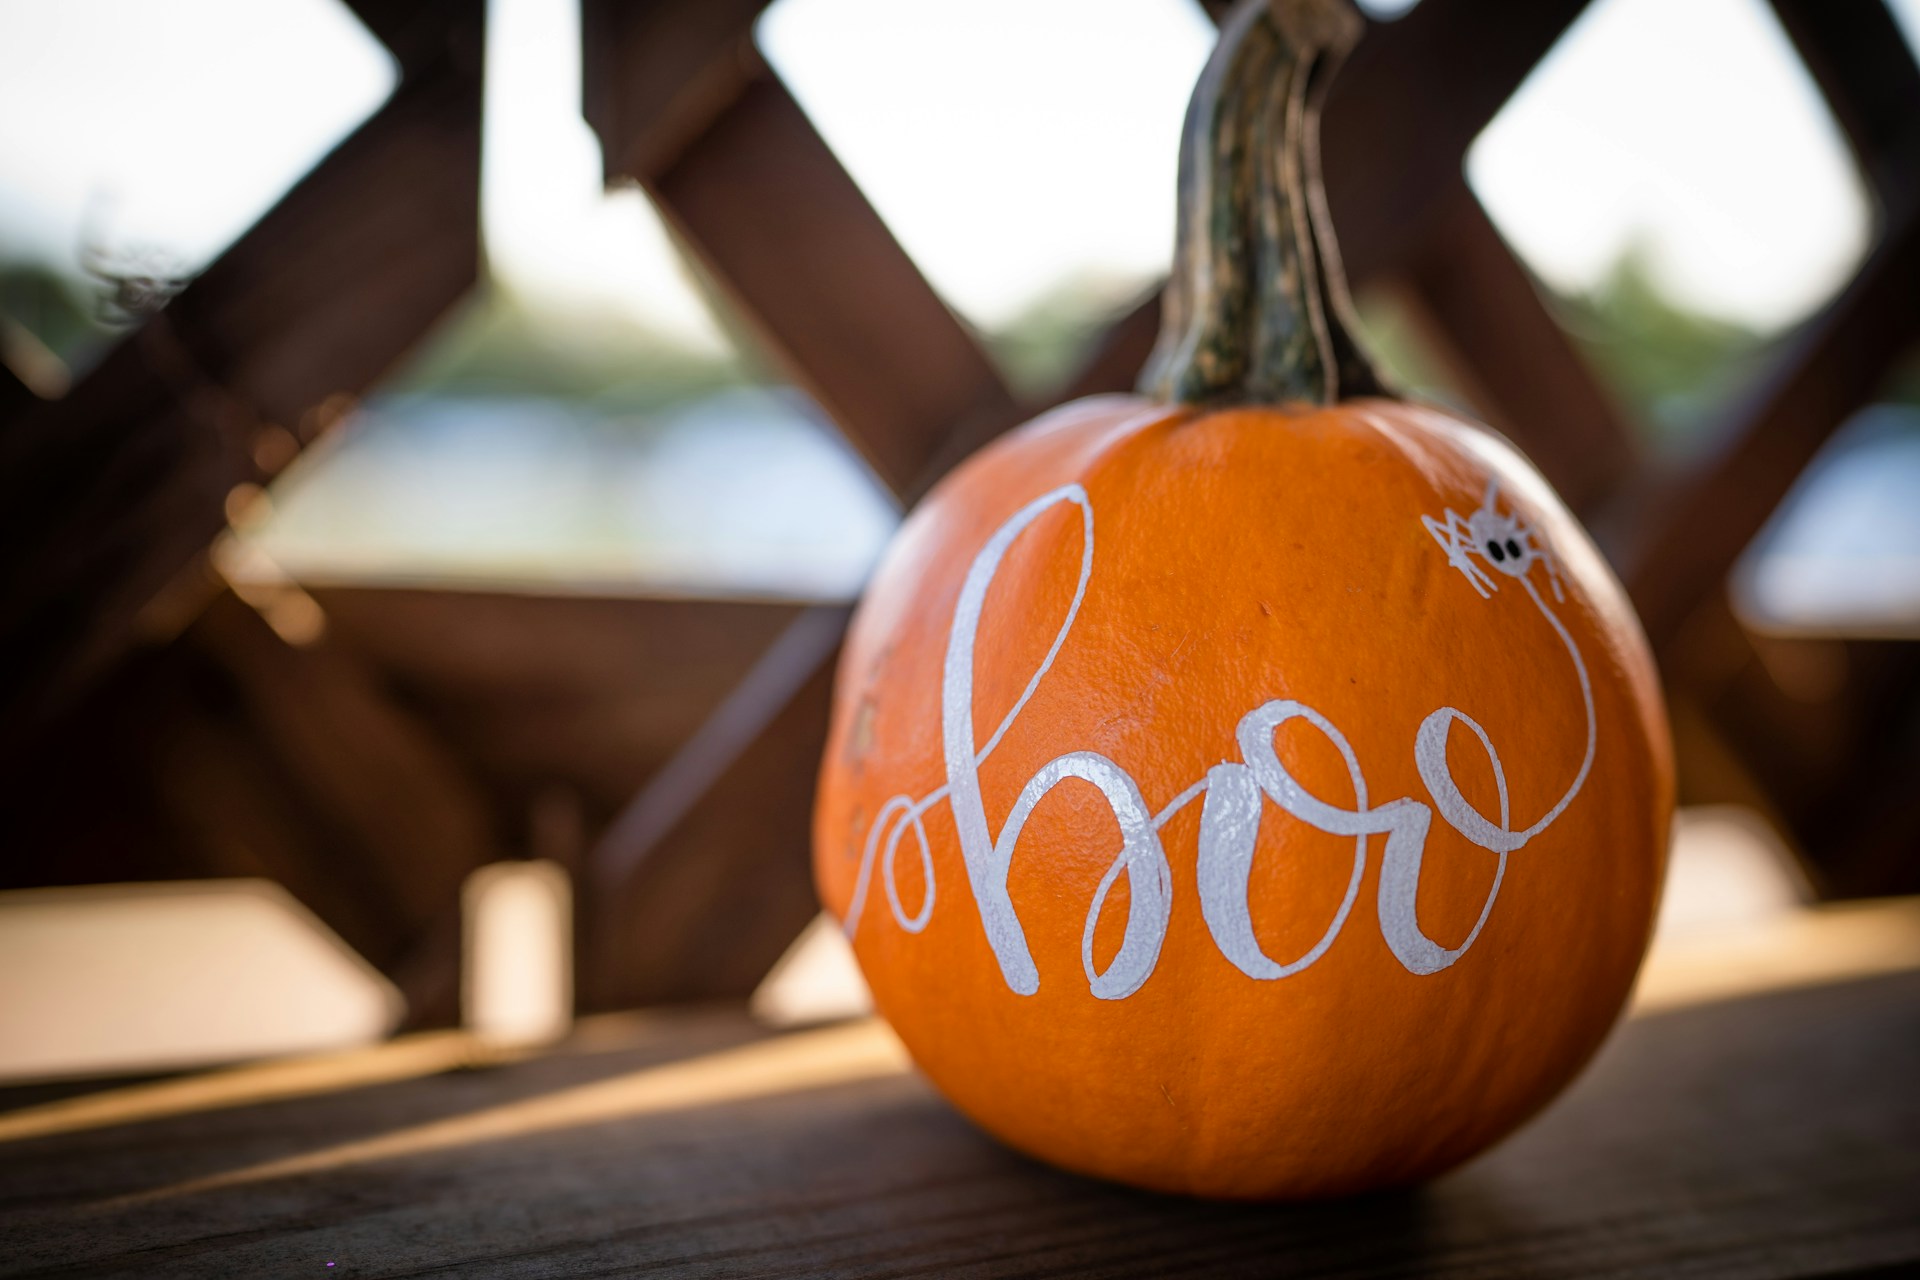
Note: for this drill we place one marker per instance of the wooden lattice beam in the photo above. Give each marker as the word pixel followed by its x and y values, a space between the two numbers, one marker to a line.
pixel 1116 359
pixel 1697 526
pixel 1867 72
pixel 1401 115
pixel 387 816
pixel 419 33
pixel 655 75
pixel 110 492
pixel 810 269
pixel 702 880
pixel 1834 759
pixel 231 752
pixel 810 266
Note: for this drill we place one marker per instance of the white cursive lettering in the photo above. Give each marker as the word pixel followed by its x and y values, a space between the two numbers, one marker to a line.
pixel 1235 792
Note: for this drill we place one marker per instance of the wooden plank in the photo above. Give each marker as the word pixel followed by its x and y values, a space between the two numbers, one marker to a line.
pixel 418 32
pixel 705 878
pixel 692 785
pixel 571 700
pixel 407 821
pixel 590 694
pixel 656 75
pixel 1822 735
pixel 1116 361
pixel 113 489
pixel 1416 92
pixel 1483 314
pixel 789 238
pixel 684 104
pixel 600 695
pixel 694 1144
pixel 1867 71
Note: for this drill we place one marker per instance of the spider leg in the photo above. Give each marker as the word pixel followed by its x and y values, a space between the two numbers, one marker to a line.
pixel 1449 535
pixel 1467 545
pixel 1546 556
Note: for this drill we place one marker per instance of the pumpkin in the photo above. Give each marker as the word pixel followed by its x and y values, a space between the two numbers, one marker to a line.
pixel 1257 786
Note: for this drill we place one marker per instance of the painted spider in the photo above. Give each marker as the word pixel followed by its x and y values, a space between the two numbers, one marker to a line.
pixel 1500 541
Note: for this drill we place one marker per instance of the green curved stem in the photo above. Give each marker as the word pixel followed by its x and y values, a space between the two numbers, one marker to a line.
pixel 1256 311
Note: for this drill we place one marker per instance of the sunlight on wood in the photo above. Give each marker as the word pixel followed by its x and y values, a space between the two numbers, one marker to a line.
pixel 1797 948
pixel 1805 948
pixel 406 1058
pixel 804 1060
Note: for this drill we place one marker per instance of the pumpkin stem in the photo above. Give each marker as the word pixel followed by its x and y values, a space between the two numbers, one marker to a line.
pixel 1256 311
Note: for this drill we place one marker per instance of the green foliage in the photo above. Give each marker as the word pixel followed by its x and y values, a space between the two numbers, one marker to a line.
pixel 55 310
pixel 502 343
pixel 1400 353
pixel 1673 369
pixel 1039 349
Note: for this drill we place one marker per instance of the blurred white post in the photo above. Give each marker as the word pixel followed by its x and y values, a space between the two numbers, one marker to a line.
pixel 517 969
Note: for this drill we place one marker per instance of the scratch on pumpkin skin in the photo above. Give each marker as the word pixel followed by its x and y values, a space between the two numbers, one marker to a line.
pixel 855 825
pixel 862 738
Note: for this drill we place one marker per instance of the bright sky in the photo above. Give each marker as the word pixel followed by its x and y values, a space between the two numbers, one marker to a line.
pixel 1021 143
pixel 551 230
pixel 1009 143
pixel 173 124
pixel 1691 127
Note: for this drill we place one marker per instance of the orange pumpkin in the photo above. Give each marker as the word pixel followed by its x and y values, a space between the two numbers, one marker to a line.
pixel 1257 787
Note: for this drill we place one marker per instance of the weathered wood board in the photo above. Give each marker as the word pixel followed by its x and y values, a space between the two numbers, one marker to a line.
pixel 1765 1136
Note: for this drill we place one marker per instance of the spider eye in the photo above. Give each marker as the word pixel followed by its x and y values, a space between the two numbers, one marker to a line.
pixel 1493 549
pixel 1513 548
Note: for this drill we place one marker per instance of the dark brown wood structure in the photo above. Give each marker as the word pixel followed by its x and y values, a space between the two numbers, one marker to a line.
pixel 153 726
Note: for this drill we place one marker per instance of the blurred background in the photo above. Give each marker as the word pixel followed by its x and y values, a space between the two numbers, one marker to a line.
pixel 440 442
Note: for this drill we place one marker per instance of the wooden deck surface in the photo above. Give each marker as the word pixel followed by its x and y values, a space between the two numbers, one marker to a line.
pixel 1724 1131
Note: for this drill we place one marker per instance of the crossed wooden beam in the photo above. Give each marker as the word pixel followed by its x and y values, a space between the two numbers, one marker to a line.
pixel 699 884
